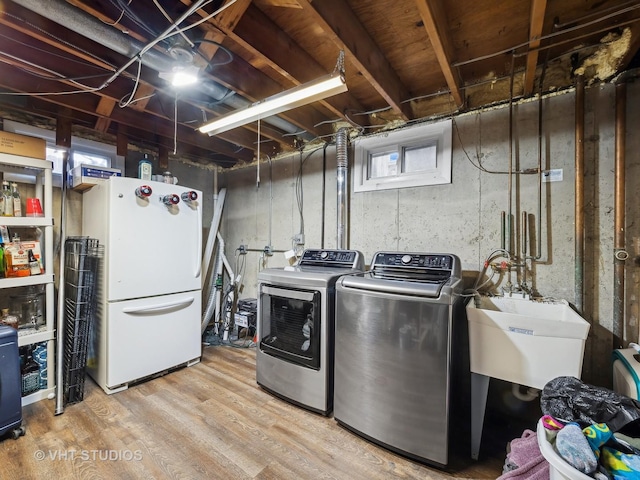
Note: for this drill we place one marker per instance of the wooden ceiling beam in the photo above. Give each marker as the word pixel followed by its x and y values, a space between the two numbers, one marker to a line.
pixel 226 21
pixel 104 109
pixel 287 57
pixel 16 80
pixel 633 47
pixel 122 140
pixel 145 90
pixel 536 23
pixel 344 28
pixel 116 90
pixel 202 153
pixel 63 127
pixel 435 23
pixel 247 78
pixel 12 15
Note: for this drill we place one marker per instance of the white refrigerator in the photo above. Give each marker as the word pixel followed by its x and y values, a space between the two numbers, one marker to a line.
pixel 149 289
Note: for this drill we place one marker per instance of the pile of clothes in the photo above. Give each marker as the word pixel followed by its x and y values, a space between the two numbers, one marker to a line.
pixel 594 429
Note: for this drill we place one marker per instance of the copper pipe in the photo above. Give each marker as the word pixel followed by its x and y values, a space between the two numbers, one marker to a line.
pixel 525 234
pixel 510 170
pixel 619 221
pixel 579 193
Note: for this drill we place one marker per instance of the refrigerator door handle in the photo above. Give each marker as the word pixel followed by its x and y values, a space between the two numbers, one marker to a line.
pixel 199 248
pixel 155 308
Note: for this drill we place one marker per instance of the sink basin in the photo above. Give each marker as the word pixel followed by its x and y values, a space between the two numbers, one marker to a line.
pixel 523 341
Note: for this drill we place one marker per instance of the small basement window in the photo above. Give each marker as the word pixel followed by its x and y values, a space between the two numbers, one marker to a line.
pixel 410 157
pixel 82 151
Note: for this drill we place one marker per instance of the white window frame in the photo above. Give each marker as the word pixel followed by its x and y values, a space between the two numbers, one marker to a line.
pixel 438 134
pixel 77 144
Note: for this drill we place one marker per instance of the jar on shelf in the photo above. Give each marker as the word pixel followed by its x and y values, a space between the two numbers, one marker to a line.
pixel 8 319
pixel 29 304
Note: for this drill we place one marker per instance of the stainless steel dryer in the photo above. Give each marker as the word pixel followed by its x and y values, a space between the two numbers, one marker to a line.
pixel 296 312
pixel 394 348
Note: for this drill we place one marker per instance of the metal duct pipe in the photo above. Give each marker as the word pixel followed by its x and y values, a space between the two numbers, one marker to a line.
pixel 342 165
pixel 73 18
pixel 620 254
pixel 579 193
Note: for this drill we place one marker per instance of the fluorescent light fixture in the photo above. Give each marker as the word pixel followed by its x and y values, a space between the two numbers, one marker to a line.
pixel 323 87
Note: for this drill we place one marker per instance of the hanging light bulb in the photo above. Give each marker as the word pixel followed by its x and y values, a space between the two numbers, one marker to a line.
pixel 181 75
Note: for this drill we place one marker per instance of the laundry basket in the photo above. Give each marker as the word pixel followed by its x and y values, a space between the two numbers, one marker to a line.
pixel 558 468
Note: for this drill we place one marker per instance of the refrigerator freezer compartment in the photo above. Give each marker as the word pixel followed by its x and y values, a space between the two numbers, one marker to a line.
pixel 144 337
pixel 150 248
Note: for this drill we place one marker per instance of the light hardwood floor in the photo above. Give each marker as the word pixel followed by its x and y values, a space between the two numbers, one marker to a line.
pixel 209 421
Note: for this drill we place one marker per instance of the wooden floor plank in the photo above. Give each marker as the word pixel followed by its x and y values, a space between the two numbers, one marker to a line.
pixel 208 421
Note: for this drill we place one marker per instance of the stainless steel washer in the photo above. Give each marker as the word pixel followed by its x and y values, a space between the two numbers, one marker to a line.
pixel 394 347
pixel 296 312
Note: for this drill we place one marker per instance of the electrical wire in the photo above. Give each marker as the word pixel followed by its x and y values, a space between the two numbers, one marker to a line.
pixel 49 53
pixel 175 124
pixel 166 15
pixel 202 20
pixel 55 76
pixel 551 35
pixel 117 21
pixel 132 16
pixel 127 102
pixel 299 188
pixel 300 194
pixel 220 46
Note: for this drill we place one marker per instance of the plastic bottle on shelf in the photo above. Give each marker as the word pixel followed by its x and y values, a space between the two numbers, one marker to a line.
pixel 7 199
pixel 17 206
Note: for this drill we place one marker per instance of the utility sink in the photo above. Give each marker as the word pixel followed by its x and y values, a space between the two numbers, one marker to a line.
pixel 523 341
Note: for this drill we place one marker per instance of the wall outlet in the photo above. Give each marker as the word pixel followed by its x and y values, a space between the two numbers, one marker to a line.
pixel 298 239
pixel 552 175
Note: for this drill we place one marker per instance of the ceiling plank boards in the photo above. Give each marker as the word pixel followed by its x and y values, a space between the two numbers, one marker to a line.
pixel 348 33
pixel 399 56
pixel 285 55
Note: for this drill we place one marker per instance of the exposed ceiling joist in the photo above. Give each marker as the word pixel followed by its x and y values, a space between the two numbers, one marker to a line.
pixel 433 16
pixel 399 57
pixel 347 32
pixel 538 8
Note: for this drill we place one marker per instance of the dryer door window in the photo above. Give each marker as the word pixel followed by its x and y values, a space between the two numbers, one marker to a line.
pixel 290 324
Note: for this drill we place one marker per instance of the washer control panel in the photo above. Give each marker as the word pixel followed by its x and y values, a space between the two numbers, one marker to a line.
pixel 415 267
pixel 444 261
pixel 332 258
